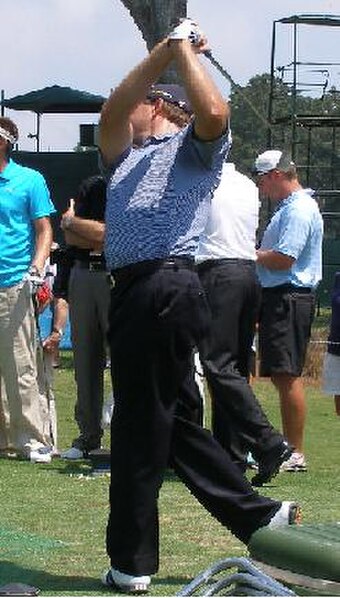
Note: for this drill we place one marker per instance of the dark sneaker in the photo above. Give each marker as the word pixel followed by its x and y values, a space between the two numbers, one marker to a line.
pixel 269 465
pixel 73 454
pixel 288 514
pixel 131 584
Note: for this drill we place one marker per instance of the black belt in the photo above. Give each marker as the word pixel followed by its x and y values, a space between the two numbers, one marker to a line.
pixel 288 288
pixel 91 265
pixel 146 267
pixel 201 266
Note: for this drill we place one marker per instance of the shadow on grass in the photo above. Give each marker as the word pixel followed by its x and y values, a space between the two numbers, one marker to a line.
pixel 171 581
pixel 62 466
pixel 80 468
pixel 14 573
pixel 61 584
pixel 66 360
pixel 85 467
pixel 171 476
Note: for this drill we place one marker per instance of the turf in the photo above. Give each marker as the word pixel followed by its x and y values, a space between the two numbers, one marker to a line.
pixel 53 517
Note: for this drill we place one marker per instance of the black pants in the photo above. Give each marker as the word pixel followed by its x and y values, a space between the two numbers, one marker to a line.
pixel 155 320
pixel 190 404
pixel 238 421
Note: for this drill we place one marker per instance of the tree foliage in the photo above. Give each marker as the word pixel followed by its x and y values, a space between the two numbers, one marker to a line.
pixel 316 147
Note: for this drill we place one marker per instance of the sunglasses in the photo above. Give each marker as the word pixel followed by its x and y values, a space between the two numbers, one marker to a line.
pixel 257 176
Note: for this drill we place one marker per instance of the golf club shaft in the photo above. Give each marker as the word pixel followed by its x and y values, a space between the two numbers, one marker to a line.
pixel 208 54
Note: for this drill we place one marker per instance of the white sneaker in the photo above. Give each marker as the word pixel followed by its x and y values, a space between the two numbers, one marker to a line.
pixel 251 463
pixel 42 454
pixel 135 584
pixel 72 454
pixel 288 514
pixel 296 462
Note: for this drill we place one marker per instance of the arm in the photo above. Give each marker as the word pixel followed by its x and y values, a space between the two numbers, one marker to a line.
pixel 83 233
pixel 211 111
pixel 273 260
pixel 43 242
pixel 78 241
pixel 115 132
pixel 210 108
pixel 51 343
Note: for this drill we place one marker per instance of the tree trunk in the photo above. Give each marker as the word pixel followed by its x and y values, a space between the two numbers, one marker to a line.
pixel 154 18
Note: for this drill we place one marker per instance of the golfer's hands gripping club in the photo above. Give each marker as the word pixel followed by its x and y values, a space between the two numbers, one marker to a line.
pixel 187 29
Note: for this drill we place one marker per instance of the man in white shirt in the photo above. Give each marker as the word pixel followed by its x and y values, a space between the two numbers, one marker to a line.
pixel 226 265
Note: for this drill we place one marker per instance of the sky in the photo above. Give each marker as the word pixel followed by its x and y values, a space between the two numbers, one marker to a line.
pixel 91 44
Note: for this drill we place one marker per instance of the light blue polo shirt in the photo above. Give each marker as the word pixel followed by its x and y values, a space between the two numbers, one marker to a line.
pixel 296 230
pixel 159 195
pixel 24 197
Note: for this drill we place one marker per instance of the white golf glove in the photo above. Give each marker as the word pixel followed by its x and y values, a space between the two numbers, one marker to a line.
pixel 187 29
pixel 35 279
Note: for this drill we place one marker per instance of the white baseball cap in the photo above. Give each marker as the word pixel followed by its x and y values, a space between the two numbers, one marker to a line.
pixel 271 160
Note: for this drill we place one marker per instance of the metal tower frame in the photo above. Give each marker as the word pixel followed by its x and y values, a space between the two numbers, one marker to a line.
pixel 295 130
pixel 296 86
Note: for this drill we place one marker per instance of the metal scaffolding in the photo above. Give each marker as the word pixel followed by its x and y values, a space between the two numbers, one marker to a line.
pixel 297 130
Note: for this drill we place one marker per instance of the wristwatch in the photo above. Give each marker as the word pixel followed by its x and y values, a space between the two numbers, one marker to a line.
pixel 58 331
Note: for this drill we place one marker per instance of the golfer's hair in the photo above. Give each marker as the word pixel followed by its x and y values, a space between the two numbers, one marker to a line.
pixel 290 173
pixel 287 166
pixel 176 115
pixel 10 126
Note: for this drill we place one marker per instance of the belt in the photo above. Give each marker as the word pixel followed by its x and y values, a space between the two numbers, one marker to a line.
pixel 288 288
pixel 146 267
pixel 201 266
pixel 91 265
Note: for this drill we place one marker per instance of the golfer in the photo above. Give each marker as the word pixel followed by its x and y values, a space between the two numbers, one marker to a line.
pixel 157 205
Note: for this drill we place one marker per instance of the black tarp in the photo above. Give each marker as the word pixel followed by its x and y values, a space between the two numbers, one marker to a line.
pixel 313 19
pixel 56 99
pixel 63 172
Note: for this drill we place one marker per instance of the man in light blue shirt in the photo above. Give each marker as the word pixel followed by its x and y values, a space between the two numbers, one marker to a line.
pixel 289 264
pixel 26 236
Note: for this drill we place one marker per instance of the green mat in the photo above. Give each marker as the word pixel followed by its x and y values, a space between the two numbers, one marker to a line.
pixel 306 555
pixel 16 542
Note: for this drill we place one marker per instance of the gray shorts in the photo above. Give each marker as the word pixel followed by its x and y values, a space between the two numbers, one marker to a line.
pixel 285 324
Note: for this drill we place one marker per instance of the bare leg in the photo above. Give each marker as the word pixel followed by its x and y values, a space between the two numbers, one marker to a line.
pixel 293 408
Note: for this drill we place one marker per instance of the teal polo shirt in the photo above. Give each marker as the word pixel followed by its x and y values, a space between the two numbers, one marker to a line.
pixel 24 197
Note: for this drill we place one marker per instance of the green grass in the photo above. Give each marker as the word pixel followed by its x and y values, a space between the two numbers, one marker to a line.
pixel 53 517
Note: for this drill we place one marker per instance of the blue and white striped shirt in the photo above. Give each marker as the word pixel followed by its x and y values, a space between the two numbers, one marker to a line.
pixel 158 197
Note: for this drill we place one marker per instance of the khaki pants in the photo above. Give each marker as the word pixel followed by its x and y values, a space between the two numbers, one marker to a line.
pixel 47 398
pixel 22 420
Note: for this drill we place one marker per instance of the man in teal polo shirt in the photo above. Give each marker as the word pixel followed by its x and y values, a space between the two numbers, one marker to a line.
pixel 26 237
